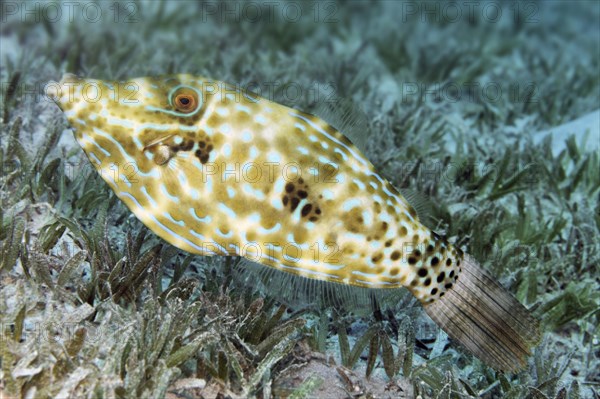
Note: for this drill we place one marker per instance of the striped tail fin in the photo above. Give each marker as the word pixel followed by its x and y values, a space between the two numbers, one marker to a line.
pixel 485 318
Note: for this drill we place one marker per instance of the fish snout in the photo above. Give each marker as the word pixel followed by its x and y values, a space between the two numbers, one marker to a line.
pixel 73 92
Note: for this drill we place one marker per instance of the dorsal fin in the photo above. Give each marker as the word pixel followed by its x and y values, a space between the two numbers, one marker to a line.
pixel 347 118
pixel 422 205
pixel 297 291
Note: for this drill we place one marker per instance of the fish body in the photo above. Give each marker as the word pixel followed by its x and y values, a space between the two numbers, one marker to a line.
pixel 215 170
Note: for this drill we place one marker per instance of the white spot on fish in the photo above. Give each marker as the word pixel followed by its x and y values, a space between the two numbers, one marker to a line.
pixel 254 218
pixel 367 217
pixel 226 150
pixel 149 198
pixel 260 119
pixel 273 156
pixel 225 128
pixel 258 194
pixel 95 158
pixel 172 219
pixel 222 234
pixel 350 204
pixel 205 219
pixel 302 150
pixel 327 194
pixel 273 229
pixel 125 180
pixel 242 108
pixel 246 136
pixel 228 211
pixel 197 235
pixel 137 142
pixel 360 184
pixel 87 140
pixel 163 190
pixel 276 203
pixel 195 194
pixel 182 178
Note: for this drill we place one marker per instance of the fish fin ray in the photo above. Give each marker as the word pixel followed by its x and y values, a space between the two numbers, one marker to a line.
pixel 486 319
pixel 298 291
pixel 347 118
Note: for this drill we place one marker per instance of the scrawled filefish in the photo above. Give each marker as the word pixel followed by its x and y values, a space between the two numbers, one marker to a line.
pixel 215 170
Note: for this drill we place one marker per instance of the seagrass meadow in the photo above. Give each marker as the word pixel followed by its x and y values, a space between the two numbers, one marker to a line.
pixel 485 114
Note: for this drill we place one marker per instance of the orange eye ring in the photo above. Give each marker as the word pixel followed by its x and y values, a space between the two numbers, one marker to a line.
pixel 185 102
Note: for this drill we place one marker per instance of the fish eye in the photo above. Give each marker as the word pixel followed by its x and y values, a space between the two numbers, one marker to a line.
pixel 185 100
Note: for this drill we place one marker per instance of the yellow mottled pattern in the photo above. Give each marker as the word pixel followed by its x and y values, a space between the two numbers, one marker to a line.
pixel 215 170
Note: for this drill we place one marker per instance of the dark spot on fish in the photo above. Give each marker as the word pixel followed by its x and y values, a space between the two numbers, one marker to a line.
pixel 395 255
pixel 430 248
pixel 451 275
pixel 313 218
pixel 448 262
pixel 295 202
pixel 422 272
pixel 448 286
pixel 434 261
pixel 289 187
pixel 388 243
pixel 427 282
pixel 285 200
pixel 384 226
pixel 203 152
pixel 412 212
pixel 306 210
pixel 186 145
pixel 376 258
pixel 202 156
pixel 434 291
pixel 412 260
pixel 302 194
pixel 441 277
pixel 318 211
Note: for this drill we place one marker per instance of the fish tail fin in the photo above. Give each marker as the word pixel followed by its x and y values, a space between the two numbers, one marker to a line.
pixel 486 319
